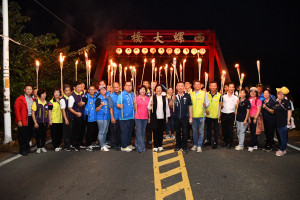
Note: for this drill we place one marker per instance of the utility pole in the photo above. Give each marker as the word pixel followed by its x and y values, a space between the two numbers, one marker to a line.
pixel 6 86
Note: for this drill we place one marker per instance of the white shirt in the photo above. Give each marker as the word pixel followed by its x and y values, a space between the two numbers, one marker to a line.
pixel 71 101
pixel 62 104
pixel 229 103
pixel 160 107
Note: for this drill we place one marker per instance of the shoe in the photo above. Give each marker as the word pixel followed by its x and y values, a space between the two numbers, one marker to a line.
pixel 255 147
pixel 167 137
pixel 194 148
pixel 43 150
pixel 160 149
pixel 144 149
pixel 57 149
pixel 131 147
pixel 38 150
pixel 95 145
pixel 126 149
pixel 30 143
pixel 228 146
pixel 72 147
pixel 247 131
pixel 239 148
pixel 173 137
pixel 250 149
pixel 139 151
pixel 68 149
pixel 24 153
pixel 280 153
pixel 104 148
pixel 189 140
pixel 199 150
pixel 268 149
pixel 207 143
pixel 76 149
pixel 149 143
pixel 178 149
pixel 90 148
pixel 155 149
pixel 108 146
pixel 215 146
pixel 185 151
pixel 82 147
pixel 30 151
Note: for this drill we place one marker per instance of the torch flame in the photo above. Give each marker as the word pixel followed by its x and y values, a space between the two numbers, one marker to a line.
pixel 174 59
pixel 145 60
pixel 184 60
pixel 237 65
pixel 125 68
pixel 160 67
pixel 61 57
pixel 76 63
pixel 171 68
pixel 153 60
pixel 166 67
pixel 155 69
pixel 243 74
pixel 206 74
pixel 223 72
pixel 89 64
pixel 199 59
pixel 37 63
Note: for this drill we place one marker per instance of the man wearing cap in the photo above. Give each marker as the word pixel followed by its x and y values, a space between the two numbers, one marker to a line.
pixel 228 106
pixel 125 102
pixel 283 114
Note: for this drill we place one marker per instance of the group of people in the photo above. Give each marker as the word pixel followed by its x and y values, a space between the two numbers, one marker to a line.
pixel 107 117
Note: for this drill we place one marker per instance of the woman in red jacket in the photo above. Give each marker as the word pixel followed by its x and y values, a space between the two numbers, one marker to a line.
pixel 22 110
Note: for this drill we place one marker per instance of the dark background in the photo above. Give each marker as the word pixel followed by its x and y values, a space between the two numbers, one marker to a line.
pixel 246 30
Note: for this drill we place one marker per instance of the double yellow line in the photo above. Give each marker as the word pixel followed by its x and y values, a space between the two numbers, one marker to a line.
pixel 161 193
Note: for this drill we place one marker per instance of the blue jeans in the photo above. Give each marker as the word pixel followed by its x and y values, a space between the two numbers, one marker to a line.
pixel 140 133
pixel 127 127
pixel 103 128
pixel 170 126
pixel 198 126
pixel 283 132
pixel 240 132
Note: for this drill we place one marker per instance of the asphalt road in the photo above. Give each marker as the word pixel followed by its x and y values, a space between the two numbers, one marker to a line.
pixel 213 174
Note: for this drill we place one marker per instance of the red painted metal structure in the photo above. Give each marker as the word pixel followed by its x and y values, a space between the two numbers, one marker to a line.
pixel 123 39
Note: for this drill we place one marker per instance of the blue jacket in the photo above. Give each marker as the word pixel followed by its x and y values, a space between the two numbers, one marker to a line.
pixel 127 101
pixel 117 111
pixel 103 113
pixel 90 109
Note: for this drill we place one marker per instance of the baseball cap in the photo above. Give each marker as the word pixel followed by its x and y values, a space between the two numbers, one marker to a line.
pixel 284 90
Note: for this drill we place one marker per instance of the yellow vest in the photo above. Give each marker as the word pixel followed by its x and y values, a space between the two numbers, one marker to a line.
pixel 213 107
pixel 198 101
pixel 56 114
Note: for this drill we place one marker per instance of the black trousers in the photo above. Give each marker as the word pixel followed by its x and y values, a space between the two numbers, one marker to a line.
pixel 41 132
pixel 269 132
pixel 158 132
pixel 83 130
pixel 181 132
pixel 92 129
pixel 149 132
pixel 115 136
pixel 67 134
pixel 227 127
pixel 31 129
pixel 209 122
pixel 77 131
pixel 23 138
pixel 56 134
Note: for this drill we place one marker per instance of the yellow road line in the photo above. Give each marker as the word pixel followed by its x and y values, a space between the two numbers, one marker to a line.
pixel 161 193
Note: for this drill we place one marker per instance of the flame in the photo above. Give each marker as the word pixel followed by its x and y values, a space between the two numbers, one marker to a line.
pixel 223 72
pixel 85 54
pixel 125 68
pixel 153 60
pixel 89 64
pixel 166 67
pixel 258 62
pixel 171 68
pixel 160 67
pixel 174 59
pixel 199 60
pixel 130 67
pixel 37 63
pixel 155 69
pixel 206 74
pixel 145 60
pixel 61 57
pixel 243 74
pixel 184 60
pixel 76 63
pixel 237 65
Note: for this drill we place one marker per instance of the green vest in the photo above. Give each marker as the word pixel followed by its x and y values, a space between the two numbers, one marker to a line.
pixel 213 107
pixel 197 102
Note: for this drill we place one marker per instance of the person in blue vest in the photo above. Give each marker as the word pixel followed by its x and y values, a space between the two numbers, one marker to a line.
pixel 115 113
pixel 76 107
pixel 41 119
pixel 103 115
pixel 90 113
pixel 182 117
pixel 67 117
pixel 125 102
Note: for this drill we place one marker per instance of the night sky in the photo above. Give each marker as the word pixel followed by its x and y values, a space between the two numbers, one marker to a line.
pixel 246 30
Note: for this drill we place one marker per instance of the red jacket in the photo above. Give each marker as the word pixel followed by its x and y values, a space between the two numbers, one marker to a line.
pixel 21 112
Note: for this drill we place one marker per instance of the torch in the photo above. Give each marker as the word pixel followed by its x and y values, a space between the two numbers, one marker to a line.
pixel 153 66
pixel 166 72
pixel 90 66
pixel 108 74
pixel 180 69
pixel 76 63
pixel 115 71
pixel 125 70
pixel 241 84
pixel 61 60
pixel 174 65
pixel 222 88
pixel 205 85
pixel 199 68
pixel 258 69
pixel 171 74
pixel 37 65
pixel 145 61
pixel 159 72
pixel 120 82
pixel 155 69
pixel 184 61
pixel 86 66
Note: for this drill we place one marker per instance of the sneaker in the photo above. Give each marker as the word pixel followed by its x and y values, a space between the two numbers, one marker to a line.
pixel 90 148
pixel 239 148
pixel 139 151
pixel 160 149
pixel 68 149
pixel 95 145
pixel 167 137
pixel 72 147
pixel 250 149
pixel 43 150
pixel 131 147
pixel 194 148
pixel 108 146
pixel 57 149
pixel 38 150
pixel 280 153
pixel 30 143
pixel 126 149
pixel 268 149
pixel 255 147
pixel 199 150
pixel 144 149
pixel 104 148
pixel 155 149
pixel 82 147
pixel 173 137
pixel 76 149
